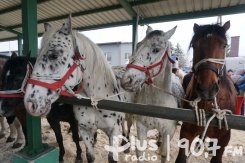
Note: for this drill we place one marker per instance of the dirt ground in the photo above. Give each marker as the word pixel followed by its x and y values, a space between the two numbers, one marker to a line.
pixel 237 141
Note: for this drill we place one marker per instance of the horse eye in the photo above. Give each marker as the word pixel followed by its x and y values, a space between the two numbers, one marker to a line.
pixel 53 56
pixel 155 50
pixel 225 46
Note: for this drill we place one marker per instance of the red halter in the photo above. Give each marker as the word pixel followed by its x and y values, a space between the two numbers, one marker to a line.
pixel 58 84
pixel 147 69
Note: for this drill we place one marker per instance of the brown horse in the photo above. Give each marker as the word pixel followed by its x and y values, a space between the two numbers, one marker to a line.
pixel 209 82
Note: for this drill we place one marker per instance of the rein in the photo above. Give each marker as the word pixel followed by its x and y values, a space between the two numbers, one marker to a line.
pixel 57 86
pixel 150 67
pixel 19 92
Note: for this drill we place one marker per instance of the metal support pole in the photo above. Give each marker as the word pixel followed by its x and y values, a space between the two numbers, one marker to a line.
pixel 35 151
pixel 135 33
pixel 20 48
pixel 29 20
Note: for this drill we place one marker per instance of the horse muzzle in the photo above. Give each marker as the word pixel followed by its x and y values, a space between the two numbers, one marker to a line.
pixel 205 92
pixel 132 81
pixel 38 107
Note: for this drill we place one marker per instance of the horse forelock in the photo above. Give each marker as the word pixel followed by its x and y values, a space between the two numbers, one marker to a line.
pixel 204 30
pixel 154 33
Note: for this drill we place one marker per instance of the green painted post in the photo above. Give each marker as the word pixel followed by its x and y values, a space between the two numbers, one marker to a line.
pixel 29 21
pixel 135 33
pixel 35 152
pixel 20 45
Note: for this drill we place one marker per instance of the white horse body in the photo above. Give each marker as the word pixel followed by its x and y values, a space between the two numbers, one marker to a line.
pixel 153 96
pixel 100 83
pixel 164 82
pixel 98 78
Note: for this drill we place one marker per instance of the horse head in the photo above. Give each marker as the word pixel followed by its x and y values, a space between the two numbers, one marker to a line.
pixel 56 71
pixel 209 45
pixel 16 71
pixel 148 60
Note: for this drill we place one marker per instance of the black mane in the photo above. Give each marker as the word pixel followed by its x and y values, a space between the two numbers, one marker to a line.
pixel 15 62
pixel 203 30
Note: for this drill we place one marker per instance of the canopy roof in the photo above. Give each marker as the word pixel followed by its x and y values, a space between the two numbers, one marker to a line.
pixel 95 14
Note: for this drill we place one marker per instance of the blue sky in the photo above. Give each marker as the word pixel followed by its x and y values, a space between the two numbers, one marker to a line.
pixel 182 35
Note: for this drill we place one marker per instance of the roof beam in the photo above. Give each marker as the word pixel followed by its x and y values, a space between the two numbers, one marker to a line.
pixel 127 7
pixel 82 13
pixel 10 30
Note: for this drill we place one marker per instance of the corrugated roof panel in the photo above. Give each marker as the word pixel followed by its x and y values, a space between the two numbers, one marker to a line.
pixel 5 34
pixel 181 5
pixel 242 2
pixel 215 4
pixel 224 3
pixel 93 20
pixel 155 9
pixel 11 18
pixel 9 3
pixel 234 2
pixel 167 10
pixel 197 4
pixel 189 5
pixel 206 5
pixel 120 14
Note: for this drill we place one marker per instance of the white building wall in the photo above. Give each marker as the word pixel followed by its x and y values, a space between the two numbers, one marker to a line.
pixel 116 52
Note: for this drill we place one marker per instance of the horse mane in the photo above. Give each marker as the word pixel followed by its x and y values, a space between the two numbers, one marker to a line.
pixel 203 30
pixel 94 57
pixel 225 80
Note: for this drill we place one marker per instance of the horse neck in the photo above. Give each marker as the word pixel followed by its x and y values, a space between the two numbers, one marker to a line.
pixel 98 77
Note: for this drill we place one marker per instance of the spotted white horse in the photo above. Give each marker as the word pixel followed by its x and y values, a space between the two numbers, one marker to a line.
pixel 151 64
pixel 67 59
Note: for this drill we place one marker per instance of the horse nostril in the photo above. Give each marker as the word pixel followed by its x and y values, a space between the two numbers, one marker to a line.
pixel 31 107
pixel 199 88
pixel 130 80
pixel 216 87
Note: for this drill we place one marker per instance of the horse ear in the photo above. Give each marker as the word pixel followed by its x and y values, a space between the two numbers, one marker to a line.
pixel 28 55
pixel 66 27
pixel 195 27
pixel 149 29
pixel 13 55
pixel 169 33
pixel 227 25
pixel 47 27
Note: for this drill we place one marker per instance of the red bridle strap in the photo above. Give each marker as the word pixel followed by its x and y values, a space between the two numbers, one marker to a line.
pixel 147 69
pixel 12 95
pixel 58 84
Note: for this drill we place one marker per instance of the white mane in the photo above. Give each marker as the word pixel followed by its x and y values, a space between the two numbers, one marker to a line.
pixel 95 59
